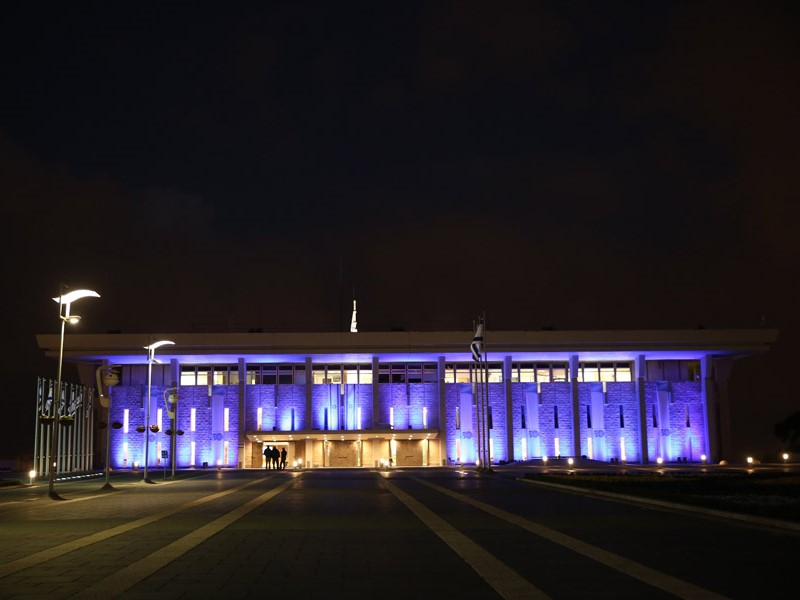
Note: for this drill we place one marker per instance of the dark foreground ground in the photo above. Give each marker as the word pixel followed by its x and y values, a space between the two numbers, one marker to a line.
pixel 391 533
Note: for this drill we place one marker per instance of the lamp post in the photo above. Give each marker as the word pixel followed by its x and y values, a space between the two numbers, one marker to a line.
pixel 151 358
pixel 64 303
pixel 107 377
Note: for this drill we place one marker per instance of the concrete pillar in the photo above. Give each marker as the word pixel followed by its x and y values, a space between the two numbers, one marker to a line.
pixel 640 374
pixel 309 382
pixel 574 365
pixel 509 412
pixel 376 395
pixel 442 411
pixel 243 458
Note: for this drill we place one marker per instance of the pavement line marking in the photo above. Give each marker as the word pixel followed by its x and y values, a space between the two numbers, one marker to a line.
pixel 56 551
pixel 789 526
pixel 124 579
pixel 505 581
pixel 657 579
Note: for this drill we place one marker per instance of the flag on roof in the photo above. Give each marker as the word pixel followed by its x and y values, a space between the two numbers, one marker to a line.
pixel 477 343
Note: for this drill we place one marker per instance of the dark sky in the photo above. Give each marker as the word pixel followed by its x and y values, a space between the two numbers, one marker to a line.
pixel 580 165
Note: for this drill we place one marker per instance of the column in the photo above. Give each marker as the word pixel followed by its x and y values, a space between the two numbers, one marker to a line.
pixel 242 412
pixel 509 412
pixel 376 395
pixel 640 373
pixel 574 365
pixel 442 411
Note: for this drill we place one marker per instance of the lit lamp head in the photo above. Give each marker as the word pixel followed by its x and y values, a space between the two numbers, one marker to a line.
pixel 151 349
pixel 65 301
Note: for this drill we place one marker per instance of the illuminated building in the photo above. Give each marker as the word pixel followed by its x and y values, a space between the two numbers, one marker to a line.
pixel 359 399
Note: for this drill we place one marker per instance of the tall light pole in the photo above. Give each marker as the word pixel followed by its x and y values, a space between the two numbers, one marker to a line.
pixel 151 358
pixel 64 303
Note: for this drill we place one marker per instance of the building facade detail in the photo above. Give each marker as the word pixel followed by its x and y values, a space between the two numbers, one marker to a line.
pixel 366 400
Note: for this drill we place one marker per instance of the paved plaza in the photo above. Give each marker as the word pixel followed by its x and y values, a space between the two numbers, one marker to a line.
pixel 402 533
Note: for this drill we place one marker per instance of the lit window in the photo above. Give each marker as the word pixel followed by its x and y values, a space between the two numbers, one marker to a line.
pixel 125 420
pixel 226 418
pixel 203 375
pixel 193 420
pixel 188 376
pixel 160 419
pixel 623 372
pixel 193 450
pixel 260 417
pixel 543 373
pixel 365 374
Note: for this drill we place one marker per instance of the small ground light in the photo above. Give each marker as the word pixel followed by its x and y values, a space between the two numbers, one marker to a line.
pixel 659 460
pixel 749 460
pixel 703 458
pixel 785 456
pixel 570 461
pixel 544 459
pixel 32 475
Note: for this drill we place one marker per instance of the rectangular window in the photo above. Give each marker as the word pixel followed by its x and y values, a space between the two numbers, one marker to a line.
pixel 252 375
pixel 365 374
pixel 543 373
pixel 489 417
pixel 193 453
pixel 463 373
pixel 527 373
pixel 226 419
pixel 590 372
pixel 350 374
pixel 188 376
pixel 391 417
pixel 560 372
pixel 398 373
pixel 318 374
pixel 285 374
pixel 125 420
pixel 588 416
pixel 358 417
pixel 430 373
pixel 495 372
pixel 220 375
pixel 623 372
pixel 233 376
pixel 522 417
pixel 607 372
pixel 458 418
pixel 299 374
pixel 555 417
pixel 414 373
pixel 425 417
pixel 333 374
pixel 260 418
pixel 193 419
pixel 160 418
pixel 203 375
pixel 449 373
pixel 621 417
pixel 269 374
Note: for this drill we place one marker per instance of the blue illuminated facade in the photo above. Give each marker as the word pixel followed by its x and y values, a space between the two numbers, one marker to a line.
pixel 409 398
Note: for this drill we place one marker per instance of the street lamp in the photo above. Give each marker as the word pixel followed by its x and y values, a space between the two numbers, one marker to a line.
pixel 64 303
pixel 151 358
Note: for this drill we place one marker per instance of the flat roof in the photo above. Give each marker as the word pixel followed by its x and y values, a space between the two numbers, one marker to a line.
pixel 409 346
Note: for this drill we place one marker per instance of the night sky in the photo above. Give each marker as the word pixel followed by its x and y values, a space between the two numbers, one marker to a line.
pixel 576 165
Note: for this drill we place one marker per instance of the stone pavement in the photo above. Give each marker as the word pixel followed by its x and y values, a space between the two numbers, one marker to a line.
pixel 364 533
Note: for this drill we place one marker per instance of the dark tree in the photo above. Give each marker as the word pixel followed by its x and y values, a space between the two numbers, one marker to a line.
pixel 788 431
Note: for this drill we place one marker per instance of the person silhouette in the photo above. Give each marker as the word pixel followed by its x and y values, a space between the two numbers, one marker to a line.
pixel 276 456
pixel 283 458
pixel 267 456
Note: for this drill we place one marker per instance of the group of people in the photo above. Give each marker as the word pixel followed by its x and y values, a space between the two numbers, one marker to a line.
pixel 275 459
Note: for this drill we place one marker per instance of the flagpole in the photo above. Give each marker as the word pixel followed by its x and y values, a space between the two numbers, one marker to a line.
pixel 485 360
